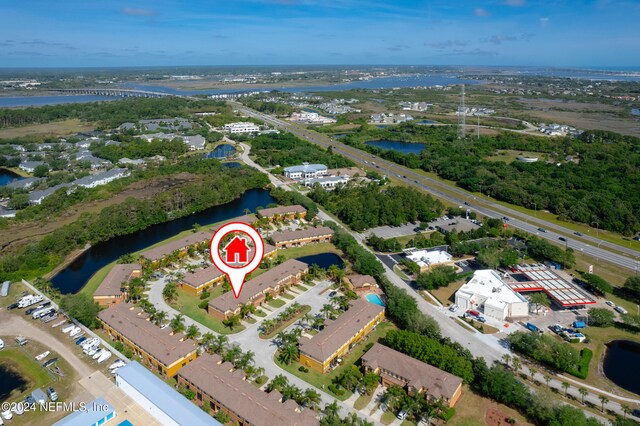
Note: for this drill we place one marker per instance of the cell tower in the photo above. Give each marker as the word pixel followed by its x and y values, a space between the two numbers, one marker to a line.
pixel 462 112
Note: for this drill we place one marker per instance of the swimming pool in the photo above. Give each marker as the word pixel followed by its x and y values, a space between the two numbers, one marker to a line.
pixel 374 298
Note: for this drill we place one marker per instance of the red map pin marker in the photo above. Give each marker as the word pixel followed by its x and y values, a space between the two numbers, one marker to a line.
pixel 237 251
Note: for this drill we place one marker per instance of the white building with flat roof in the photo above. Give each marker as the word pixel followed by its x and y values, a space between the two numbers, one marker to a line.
pixel 488 293
pixel 241 127
pixel 305 171
pixel 426 259
pixel 327 182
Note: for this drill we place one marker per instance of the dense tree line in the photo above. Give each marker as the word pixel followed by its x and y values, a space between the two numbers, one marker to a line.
pixel 545 349
pixel 285 149
pixel 632 287
pixel 108 114
pixel 363 207
pixel 438 276
pixel 129 216
pixel 272 108
pixel 603 186
pixel 138 148
pixel 287 198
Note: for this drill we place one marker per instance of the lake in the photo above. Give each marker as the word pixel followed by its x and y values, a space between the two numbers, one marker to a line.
pixel 7 176
pixel 75 275
pixel 399 146
pixel 11 380
pixel 620 364
pixel 224 150
pixel 323 260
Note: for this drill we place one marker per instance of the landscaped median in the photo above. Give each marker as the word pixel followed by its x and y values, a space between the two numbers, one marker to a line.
pixel 187 304
pixel 282 321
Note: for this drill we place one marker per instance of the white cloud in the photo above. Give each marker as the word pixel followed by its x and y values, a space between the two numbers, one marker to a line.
pixel 481 12
pixel 544 21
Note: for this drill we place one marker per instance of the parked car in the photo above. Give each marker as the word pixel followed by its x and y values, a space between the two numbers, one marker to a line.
pixel 533 327
pixel 13 306
pixel 610 303
pixel 50 362
pixel 620 309
pixel 401 415
pixel 333 293
pixel 29 400
pixel 542 230
pixel 636 412
pixel 453 308
pixel 562 239
pixel 556 328
pixel 80 340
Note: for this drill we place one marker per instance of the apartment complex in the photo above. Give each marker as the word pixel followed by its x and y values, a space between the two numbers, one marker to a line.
pixel 301 237
pixel 321 352
pixel 161 351
pixel 275 281
pixel 219 386
pixel 201 279
pixel 112 290
pixel 396 368
pixel 156 254
pixel 282 212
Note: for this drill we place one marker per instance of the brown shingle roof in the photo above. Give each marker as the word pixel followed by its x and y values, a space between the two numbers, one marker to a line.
pixel 250 219
pixel 164 250
pixel 269 279
pixel 201 276
pixel 358 280
pixel 156 342
pixel 112 283
pixel 278 237
pixel 241 397
pixel 280 210
pixel 336 333
pixel 415 373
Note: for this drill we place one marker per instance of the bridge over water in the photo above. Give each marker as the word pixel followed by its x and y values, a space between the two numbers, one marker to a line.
pixel 123 93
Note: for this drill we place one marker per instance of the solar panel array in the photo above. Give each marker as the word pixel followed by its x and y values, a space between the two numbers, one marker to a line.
pixel 562 291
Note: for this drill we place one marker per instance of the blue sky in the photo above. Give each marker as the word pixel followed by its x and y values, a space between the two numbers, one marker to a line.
pixel 43 33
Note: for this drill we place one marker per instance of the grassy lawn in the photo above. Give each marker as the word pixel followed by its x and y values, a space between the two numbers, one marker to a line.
pixel 446 295
pixel 214 292
pixel 309 249
pixel 509 155
pixel 31 371
pixel 286 324
pixel 322 381
pixel 288 296
pixel 96 279
pixel 405 239
pixel 276 303
pixel 400 273
pixel 471 409
pixel 387 418
pixel 188 305
pixel 362 401
pixel 260 313
pixel 486 329
pixel 56 128
pixel 407 422
pixel 300 287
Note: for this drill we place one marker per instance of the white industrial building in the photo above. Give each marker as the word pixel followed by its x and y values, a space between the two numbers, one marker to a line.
pixel 327 182
pixel 241 127
pixel 426 259
pixel 306 171
pixel 159 399
pixel 488 293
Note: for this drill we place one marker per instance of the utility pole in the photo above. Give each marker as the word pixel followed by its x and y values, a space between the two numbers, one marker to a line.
pixel 461 116
pixel 478 127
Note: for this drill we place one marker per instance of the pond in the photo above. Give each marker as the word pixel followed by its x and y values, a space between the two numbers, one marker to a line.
pixel 75 275
pixel 426 122
pixel 224 150
pixel 11 380
pixel 620 364
pixel 323 260
pixel 7 176
pixel 399 146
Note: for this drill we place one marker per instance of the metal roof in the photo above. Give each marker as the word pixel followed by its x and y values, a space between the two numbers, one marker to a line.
pixel 305 168
pixel 94 411
pixel 163 396
pixel 541 278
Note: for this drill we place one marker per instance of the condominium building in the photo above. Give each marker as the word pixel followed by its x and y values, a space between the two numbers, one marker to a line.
pixel 112 289
pixel 322 351
pixel 396 368
pixel 201 279
pixel 220 387
pixel 274 281
pixel 301 237
pixel 282 212
pixel 162 351
pixel 181 245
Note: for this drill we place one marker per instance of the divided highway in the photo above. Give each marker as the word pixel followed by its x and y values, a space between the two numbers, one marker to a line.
pixel 588 245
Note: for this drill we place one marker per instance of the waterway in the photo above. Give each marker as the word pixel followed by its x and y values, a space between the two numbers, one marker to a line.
pixel 399 146
pixel 7 176
pixel 24 101
pixel 323 260
pixel 11 380
pixel 77 273
pixel 620 364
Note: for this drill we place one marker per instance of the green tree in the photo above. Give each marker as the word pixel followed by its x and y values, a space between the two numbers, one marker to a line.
pixel 288 354
pixel 177 323
pixel 222 417
pixel 603 400
pixel 192 332
pixel 81 307
pixel 277 383
pixel 601 317
pixel 598 283
pixel 41 171
pixel 539 299
pixel 439 276
pixel 18 201
pixel 583 392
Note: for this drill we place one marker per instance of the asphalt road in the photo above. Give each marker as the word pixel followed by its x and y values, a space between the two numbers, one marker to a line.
pixel 586 244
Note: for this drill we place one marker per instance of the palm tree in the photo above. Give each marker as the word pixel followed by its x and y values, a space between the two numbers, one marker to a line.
pixel 533 372
pixel 257 372
pixel 331 410
pixel 288 354
pixel 232 321
pixel 370 382
pixel 170 292
pixel 565 386
pixel 246 359
pixel 516 364
pixel 159 317
pixel 506 358
pixel 192 332
pixel 546 379
pixel 219 344
pixel 318 322
pixel 310 398
pixel 392 396
pixel 267 326
pixel 232 354
pixel 277 383
pixel 327 310
pixel 604 400
pixel 207 340
pixel 291 392
pixel 625 409
pixel 177 323
pixel 583 393
pixel 307 318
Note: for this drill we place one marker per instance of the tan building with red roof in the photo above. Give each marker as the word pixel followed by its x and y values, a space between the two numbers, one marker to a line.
pixel 274 281
pixel 295 211
pixel 112 290
pixel 339 336
pixel 220 387
pixel 161 351
pixel 301 237
pixel 396 368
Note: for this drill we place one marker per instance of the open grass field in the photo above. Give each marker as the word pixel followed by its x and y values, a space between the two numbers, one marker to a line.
pixel 509 156
pixel 322 381
pixel 446 295
pixel 56 128
pixel 471 410
pixel 187 304
pixel 308 250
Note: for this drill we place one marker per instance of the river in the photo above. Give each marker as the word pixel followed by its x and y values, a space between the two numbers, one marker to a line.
pixel 72 278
